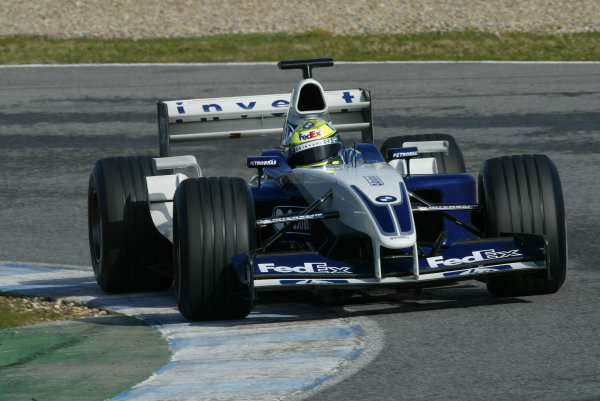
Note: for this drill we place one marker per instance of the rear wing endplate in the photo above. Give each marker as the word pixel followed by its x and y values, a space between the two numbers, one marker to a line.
pixel 244 116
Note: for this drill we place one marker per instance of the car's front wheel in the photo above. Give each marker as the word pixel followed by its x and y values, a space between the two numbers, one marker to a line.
pixel 214 220
pixel 523 194
pixel 128 253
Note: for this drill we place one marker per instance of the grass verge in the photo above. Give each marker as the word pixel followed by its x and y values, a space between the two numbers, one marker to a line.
pixel 457 46
pixel 21 310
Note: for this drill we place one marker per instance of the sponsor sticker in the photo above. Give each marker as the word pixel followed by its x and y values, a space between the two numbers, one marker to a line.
pixel 402 153
pixel 306 282
pixel 308 267
pixel 306 136
pixel 447 207
pixel 262 161
pixel 314 144
pixel 476 256
pixel 308 125
pixel 386 198
pixel 301 227
pixel 373 180
pixel 477 270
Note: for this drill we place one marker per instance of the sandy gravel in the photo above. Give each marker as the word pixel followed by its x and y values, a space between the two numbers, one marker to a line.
pixel 183 18
pixel 43 309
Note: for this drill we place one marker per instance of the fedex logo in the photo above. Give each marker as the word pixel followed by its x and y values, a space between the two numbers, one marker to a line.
pixel 308 267
pixel 476 256
pixel 305 136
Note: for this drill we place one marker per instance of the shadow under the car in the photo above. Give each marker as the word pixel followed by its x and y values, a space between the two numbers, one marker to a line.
pixel 433 299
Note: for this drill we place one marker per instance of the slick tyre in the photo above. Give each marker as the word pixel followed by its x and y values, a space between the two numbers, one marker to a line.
pixel 452 163
pixel 523 194
pixel 214 220
pixel 128 253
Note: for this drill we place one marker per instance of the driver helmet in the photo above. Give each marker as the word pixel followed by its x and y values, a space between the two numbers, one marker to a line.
pixel 315 142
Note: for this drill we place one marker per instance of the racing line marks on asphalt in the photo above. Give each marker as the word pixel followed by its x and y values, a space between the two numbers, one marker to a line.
pixel 280 351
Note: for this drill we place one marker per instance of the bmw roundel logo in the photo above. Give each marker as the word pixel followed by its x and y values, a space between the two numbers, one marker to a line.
pixel 385 198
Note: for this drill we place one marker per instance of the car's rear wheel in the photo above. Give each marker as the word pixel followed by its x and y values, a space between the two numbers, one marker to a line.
pixel 128 253
pixel 214 220
pixel 451 163
pixel 523 194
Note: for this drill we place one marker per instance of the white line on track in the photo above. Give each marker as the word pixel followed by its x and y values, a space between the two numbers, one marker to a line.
pixel 271 63
pixel 280 351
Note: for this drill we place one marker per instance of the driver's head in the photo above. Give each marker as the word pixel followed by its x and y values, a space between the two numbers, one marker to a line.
pixel 314 142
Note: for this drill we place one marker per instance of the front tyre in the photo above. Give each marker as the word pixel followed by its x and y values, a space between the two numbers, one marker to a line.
pixel 214 220
pixel 523 194
pixel 128 253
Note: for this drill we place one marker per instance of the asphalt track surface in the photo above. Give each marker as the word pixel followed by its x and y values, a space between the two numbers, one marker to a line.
pixel 454 343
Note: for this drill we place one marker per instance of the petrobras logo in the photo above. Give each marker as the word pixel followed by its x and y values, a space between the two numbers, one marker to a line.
pixel 263 161
pixel 305 136
pixel 272 162
pixel 306 268
pixel 402 153
pixel 476 256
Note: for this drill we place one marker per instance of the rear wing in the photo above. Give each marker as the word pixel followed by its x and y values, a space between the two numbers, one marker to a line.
pixel 244 116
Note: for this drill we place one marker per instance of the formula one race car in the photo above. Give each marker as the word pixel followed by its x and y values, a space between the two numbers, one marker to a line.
pixel 319 214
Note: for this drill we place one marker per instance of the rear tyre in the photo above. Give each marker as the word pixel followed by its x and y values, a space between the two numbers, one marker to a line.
pixel 128 253
pixel 452 163
pixel 214 220
pixel 523 194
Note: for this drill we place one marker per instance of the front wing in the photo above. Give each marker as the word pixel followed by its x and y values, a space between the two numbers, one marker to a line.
pixel 517 254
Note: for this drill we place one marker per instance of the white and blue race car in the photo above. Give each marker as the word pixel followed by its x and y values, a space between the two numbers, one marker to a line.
pixel 319 213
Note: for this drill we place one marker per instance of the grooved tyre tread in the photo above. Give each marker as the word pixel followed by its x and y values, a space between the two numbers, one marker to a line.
pixel 452 163
pixel 125 246
pixel 214 221
pixel 523 194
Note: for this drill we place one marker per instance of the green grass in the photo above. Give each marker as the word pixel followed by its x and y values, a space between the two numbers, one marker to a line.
pixel 272 47
pixel 21 310
pixel 11 316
